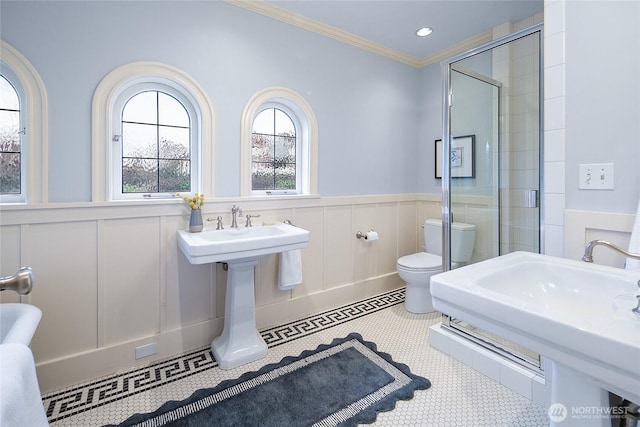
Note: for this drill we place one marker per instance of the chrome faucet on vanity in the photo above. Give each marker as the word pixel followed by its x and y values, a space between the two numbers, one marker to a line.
pixel 235 211
pixel 588 250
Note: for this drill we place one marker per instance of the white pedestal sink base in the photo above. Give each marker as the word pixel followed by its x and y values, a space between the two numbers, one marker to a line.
pixel 240 341
pixel 581 397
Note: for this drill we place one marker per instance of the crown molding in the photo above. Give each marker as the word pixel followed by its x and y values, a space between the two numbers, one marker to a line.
pixel 300 21
pixel 463 46
pixel 283 15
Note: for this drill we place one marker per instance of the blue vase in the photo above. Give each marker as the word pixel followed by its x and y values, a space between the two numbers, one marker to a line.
pixel 195 222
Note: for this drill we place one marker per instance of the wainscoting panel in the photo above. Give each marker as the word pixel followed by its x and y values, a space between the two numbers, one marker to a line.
pixel 583 226
pixel 313 272
pixel 64 259
pixel 339 240
pixel 131 295
pixel 10 248
pixel 110 276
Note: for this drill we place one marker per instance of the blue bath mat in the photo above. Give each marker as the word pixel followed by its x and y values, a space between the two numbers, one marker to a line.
pixel 341 384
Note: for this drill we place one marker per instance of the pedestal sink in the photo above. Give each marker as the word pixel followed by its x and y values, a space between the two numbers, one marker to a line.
pixel 240 249
pixel 578 315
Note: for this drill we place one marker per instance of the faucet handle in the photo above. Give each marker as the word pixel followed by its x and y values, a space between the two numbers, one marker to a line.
pixel 249 216
pixel 219 225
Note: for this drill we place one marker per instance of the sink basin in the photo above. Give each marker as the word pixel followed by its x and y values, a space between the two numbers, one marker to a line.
pixel 576 314
pixel 229 244
pixel 240 249
pixel 18 323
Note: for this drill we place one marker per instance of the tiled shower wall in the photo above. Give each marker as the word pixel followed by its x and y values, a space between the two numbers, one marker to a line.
pixel 517 66
pixel 109 277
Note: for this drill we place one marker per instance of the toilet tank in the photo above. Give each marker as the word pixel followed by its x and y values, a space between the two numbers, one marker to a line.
pixel 463 238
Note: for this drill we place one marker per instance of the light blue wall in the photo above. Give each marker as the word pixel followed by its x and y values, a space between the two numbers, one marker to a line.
pixel 367 106
pixel 430 127
pixel 602 83
pixel 377 118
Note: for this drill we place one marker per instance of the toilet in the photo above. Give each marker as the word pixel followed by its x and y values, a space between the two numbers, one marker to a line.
pixel 416 269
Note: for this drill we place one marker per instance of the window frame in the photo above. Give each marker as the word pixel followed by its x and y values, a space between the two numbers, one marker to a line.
pixel 300 150
pixel 14 81
pixel 35 142
pixel 104 99
pixel 306 137
pixel 169 88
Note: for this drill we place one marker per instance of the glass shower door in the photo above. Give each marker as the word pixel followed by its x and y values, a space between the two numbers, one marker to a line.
pixel 494 180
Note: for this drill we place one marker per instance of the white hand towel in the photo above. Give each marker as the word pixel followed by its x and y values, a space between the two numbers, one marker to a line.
pixel 21 404
pixel 290 271
pixel 634 244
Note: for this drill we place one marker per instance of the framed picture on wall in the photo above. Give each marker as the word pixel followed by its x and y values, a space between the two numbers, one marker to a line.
pixel 463 157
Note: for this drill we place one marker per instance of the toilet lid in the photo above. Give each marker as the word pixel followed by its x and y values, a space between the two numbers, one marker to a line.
pixel 421 261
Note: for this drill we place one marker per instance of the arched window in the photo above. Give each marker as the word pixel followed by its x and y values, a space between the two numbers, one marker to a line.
pixel 150 123
pixel 155 143
pixel 279 145
pixel 12 128
pixel 275 166
pixel 23 130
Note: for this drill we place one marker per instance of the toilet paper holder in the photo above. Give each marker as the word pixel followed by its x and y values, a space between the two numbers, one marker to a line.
pixel 369 235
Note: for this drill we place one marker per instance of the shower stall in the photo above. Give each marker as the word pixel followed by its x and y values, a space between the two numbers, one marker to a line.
pixel 491 171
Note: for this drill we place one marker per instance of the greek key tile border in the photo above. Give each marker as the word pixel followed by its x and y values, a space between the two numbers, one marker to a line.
pixel 68 402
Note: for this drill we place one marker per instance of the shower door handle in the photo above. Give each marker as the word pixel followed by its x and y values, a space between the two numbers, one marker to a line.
pixel 531 199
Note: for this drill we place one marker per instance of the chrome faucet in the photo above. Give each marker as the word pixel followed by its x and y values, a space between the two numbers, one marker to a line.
pixel 21 282
pixel 588 250
pixel 249 216
pixel 235 211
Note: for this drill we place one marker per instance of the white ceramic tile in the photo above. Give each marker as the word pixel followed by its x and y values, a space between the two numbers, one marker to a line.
pixel 516 379
pixel 554 50
pixel 553 17
pixel 554 177
pixel 554 240
pixel 554 81
pixel 554 145
pixel 540 392
pixel 554 113
pixel 438 340
pixel 460 351
pixel 486 364
pixel 554 209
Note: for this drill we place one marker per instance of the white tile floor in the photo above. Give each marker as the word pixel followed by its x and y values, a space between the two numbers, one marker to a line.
pixel 459 396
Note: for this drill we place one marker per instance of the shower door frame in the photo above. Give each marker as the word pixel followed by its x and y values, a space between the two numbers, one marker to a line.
pixel 523 359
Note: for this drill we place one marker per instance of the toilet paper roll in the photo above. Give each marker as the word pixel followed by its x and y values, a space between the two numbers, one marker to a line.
pixel 371 236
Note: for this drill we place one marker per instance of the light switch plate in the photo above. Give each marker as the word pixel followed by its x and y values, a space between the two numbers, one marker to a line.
pixel 596 176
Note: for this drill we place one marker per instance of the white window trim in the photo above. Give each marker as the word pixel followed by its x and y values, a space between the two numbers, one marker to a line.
pixel 104 99
pixel 187 101
pixel 301 130
pixel 36 140
pixel 269 98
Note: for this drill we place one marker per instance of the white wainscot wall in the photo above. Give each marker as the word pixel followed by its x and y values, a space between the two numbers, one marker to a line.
pixel 109 277
pixel 583 226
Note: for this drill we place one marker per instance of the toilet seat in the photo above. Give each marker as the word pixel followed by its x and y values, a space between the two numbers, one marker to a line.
pixel 421 261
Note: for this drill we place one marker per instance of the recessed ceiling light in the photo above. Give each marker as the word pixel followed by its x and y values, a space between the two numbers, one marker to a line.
pixel 424 31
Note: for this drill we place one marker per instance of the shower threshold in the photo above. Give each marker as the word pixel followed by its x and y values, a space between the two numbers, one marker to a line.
pixel 522 356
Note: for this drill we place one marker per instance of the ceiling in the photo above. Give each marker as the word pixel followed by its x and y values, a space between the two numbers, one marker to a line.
pixel 393 23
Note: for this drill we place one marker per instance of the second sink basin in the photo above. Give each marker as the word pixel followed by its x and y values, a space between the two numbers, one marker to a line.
pixel 575 313
pixel 229 244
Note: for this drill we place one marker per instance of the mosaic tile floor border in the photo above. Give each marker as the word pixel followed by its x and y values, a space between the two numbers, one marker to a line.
pixel 84 397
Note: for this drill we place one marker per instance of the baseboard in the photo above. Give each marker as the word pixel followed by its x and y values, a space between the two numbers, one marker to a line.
pixel 78 368
pixel 508 373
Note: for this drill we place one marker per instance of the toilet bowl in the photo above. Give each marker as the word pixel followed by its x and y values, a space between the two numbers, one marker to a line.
pixel 416 269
